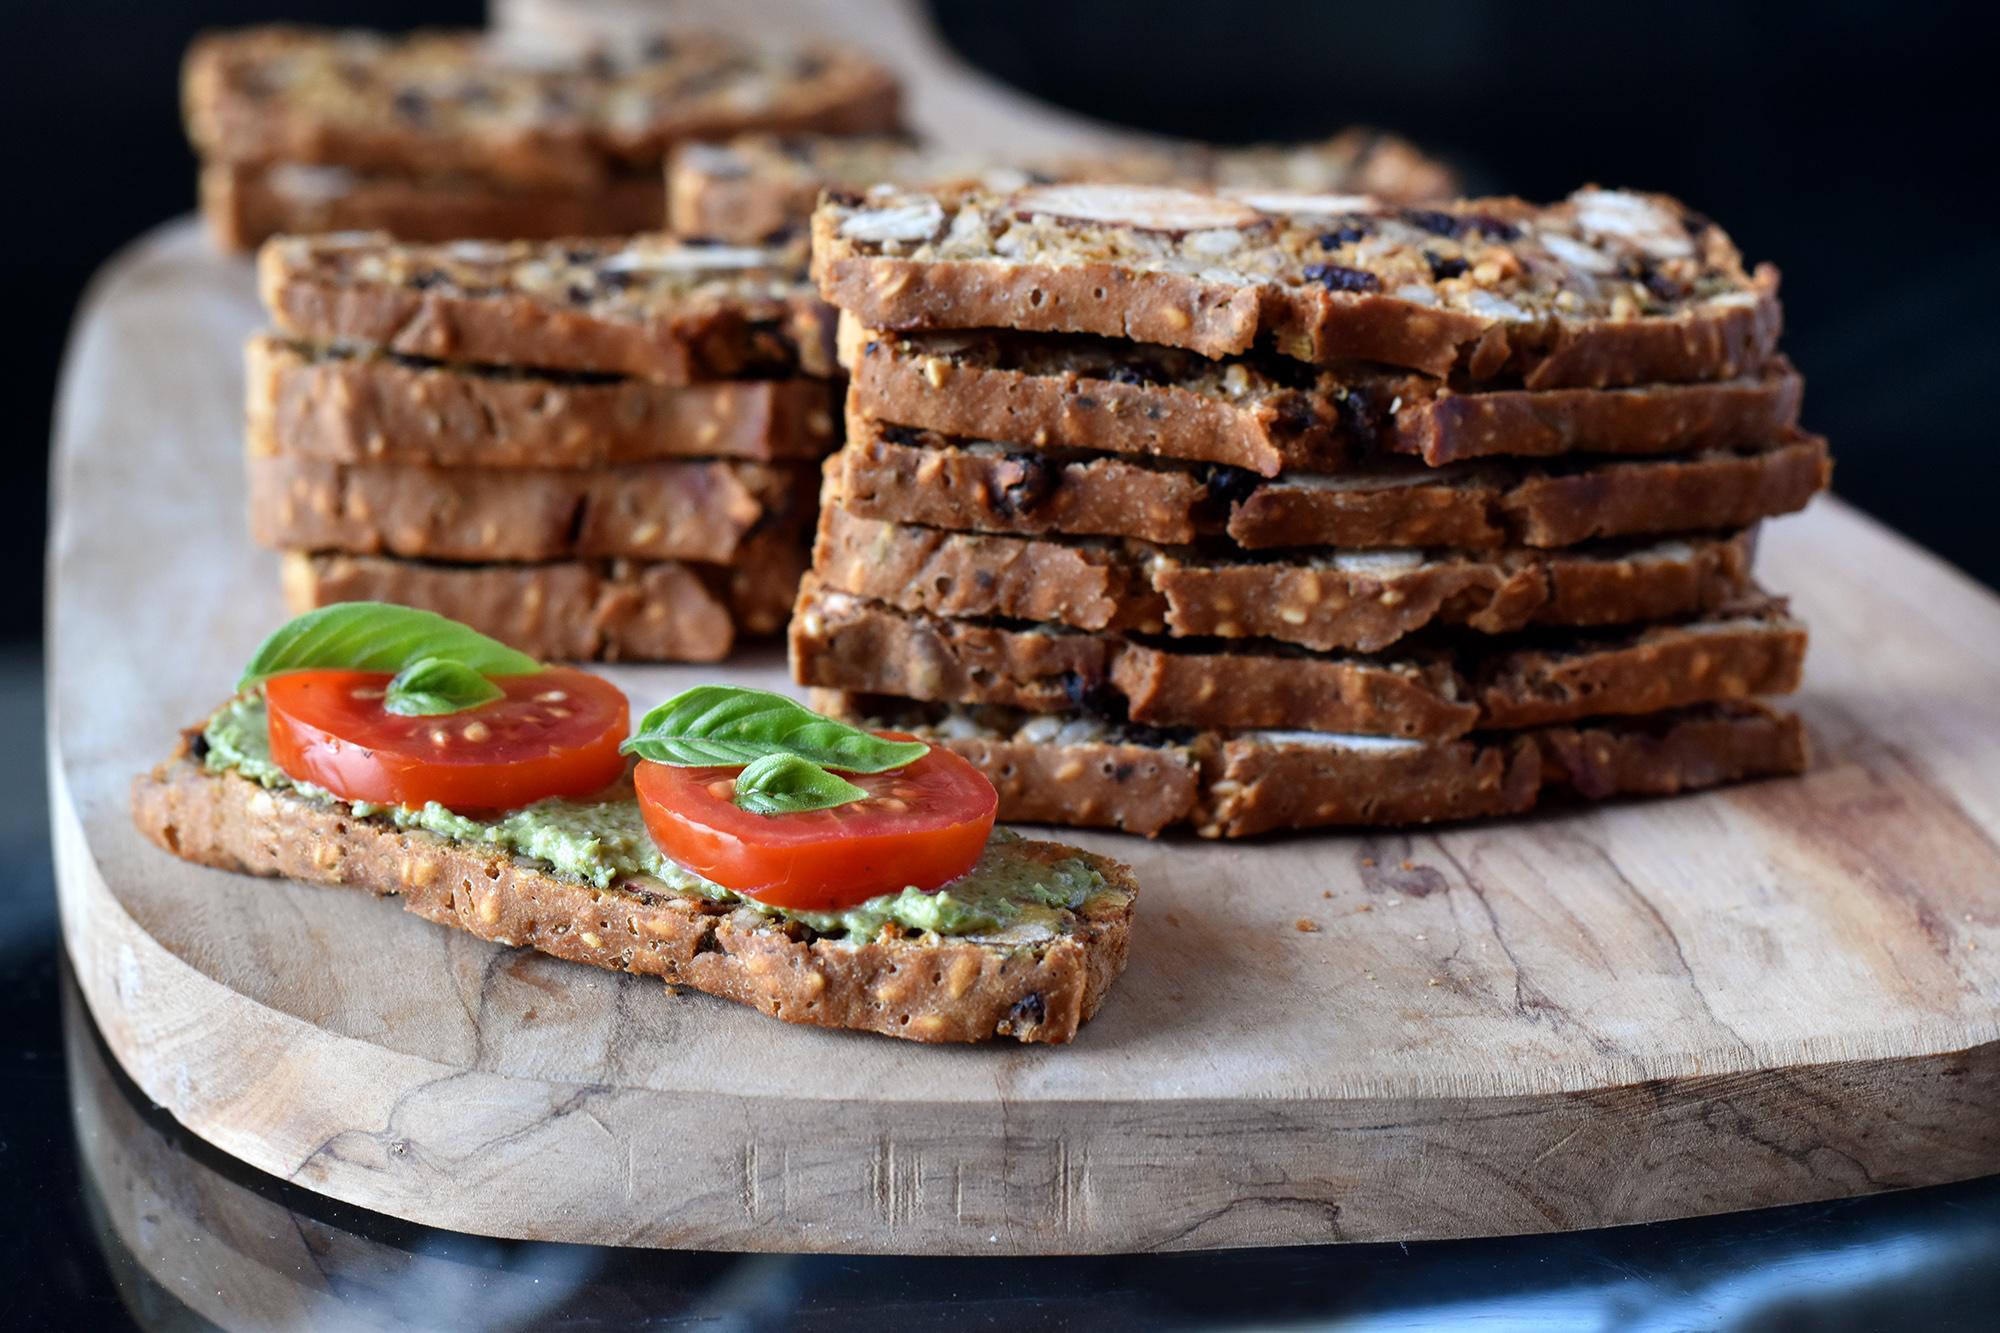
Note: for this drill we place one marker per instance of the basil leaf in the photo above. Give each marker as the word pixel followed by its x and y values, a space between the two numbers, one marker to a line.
pixel 434 685
pixel 375 636
pixel 727 724
pixel 784 784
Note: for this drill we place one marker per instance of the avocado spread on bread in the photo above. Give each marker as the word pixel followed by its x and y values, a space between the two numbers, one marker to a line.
pixel 603 842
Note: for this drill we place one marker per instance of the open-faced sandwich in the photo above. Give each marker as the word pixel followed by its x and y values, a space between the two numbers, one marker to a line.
pixel 737 843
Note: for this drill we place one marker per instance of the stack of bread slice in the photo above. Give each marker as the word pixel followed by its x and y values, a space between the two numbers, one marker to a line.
pixel 588 449
pixel 754 187
pixel 439 135
pixel 1245 510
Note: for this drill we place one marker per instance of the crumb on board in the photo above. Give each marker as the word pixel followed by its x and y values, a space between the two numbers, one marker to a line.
pixel 1173 921
pixel 1408 864
pixel 1326 893
pixel 1368 863
pixel 1305 925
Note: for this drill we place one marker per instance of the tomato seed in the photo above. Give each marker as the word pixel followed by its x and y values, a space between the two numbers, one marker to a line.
pixel 477 732
pixel 551 697
pixel 440 737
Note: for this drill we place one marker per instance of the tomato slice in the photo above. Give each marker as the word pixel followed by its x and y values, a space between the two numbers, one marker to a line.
pixel 555 733
pixel 921 826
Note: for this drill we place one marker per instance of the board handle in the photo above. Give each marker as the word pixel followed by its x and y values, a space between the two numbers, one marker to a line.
pixel 946 100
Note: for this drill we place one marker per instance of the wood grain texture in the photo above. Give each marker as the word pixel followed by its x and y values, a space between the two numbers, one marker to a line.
pixel 1780 992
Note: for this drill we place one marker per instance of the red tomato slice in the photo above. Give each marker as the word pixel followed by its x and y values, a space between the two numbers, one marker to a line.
pixel 922 826
pixel 556 733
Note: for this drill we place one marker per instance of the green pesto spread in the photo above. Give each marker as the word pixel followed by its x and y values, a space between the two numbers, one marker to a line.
pixel 603 841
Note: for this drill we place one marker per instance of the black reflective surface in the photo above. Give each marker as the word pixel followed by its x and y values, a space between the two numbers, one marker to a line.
pixel 117 1217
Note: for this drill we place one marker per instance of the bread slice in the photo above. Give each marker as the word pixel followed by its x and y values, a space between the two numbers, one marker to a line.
pixel 347 405
pixel 576 610
pixel 1606 288
pixel 843 642
pixel 648 307
pixel 921 987
pixel 1362 600
pixel 495 108
pixel 245 206
pixel 1267 416
pixel 682 510
pixel 915 476
pixel 1084 772
pixel 755 186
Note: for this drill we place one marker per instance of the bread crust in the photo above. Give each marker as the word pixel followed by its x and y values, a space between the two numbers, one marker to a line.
pixel 575 610
pixel 285 94
pixel 348 407
pixel 1361 601
pixel 936 990
pixel 570 305
pixel 1083 394
pixel 1444 298
pixel 845 643
pixel 246 206
pixel 1239 785
pixel 679 510
pixel 908 476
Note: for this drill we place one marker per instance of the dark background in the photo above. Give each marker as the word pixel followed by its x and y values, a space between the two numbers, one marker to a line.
pixel 1847 142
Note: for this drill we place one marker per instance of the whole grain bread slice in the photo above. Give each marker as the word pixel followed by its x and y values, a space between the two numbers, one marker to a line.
pixel 576 610
pixel 1266 415
pixel 499 108
pixel 1360 600
pixel 900 474
pixel 680 510
pixel 1605 288
pixel 246 206
pixel 920 987
pixel 1437 692
pixel 348 405
pixel 1084 772
pixel 645 306
pixel 754 186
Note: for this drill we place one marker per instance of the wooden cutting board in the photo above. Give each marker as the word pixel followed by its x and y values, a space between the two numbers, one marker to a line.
pixel 1780 992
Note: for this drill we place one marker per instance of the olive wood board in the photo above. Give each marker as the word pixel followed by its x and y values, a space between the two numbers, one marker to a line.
pixel 1784 991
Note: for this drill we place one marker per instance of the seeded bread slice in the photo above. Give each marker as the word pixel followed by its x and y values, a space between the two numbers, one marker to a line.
pixel 351 406
pixel 245 206
pixel 920 987
pixel 1360 600
pixel 912 476
pixel 645 306
pixel 1267 416
pixel 758 185
pixel 495 107
pixel 576 610
pixel 1605 288
pixel 691 510
pixel 1087 773
pixel 1437 692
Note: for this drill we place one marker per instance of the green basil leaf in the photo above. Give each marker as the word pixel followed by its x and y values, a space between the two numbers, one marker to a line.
pixel 727 724
pixel 784 784
pixel 375 636
pixel 434 685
